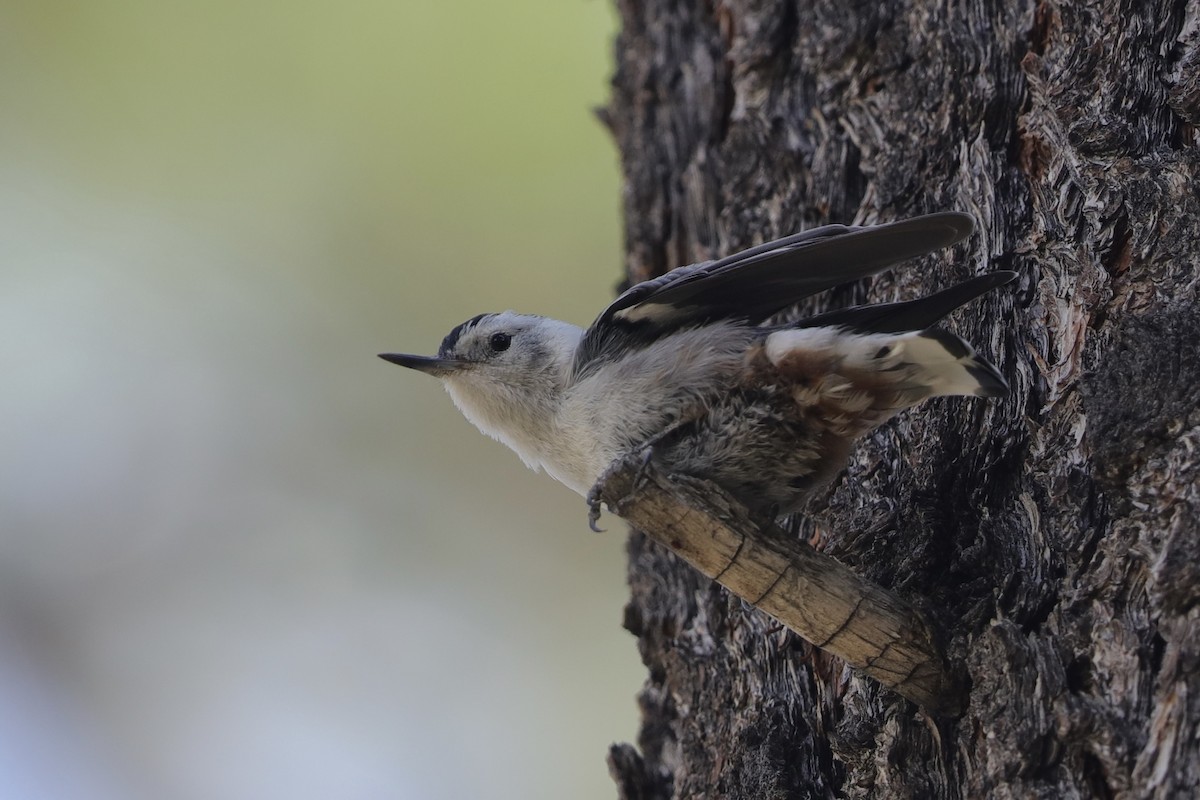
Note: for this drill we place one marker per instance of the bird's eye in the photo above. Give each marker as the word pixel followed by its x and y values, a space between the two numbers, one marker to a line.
pixel 499 342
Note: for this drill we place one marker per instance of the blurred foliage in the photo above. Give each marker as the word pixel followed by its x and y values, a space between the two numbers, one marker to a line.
pixel 242 557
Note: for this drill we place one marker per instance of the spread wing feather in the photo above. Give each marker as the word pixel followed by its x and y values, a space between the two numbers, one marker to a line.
pixel 910 315
pixel 756 283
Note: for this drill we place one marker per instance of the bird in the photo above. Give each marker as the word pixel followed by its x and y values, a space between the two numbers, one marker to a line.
pixel 694 372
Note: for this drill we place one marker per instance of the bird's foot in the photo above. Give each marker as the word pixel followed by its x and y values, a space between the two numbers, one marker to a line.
pixel 641 460
pixel 593 501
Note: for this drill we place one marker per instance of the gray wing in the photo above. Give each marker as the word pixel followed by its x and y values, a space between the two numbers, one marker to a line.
pixel 756 283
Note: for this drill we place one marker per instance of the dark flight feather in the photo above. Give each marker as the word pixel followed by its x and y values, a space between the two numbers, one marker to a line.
pixel 910 315
pixel 758 282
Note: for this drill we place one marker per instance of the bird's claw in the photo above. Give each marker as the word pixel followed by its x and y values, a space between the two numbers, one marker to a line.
pixel 641 477
pixel 642 458
pixel 593 501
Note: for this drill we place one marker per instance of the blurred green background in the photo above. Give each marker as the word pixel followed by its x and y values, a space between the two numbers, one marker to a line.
pixel 240 557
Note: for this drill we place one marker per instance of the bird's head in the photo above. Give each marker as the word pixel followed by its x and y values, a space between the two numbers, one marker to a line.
pixel 504 371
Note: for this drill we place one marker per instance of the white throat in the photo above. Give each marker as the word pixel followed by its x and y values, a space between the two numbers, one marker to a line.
pixel 519 404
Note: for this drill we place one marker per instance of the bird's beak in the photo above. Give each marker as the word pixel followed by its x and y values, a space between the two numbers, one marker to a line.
pixel 430 365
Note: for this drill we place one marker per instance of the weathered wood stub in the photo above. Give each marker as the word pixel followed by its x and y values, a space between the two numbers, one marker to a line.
pixel 1054 536
pixel 810 592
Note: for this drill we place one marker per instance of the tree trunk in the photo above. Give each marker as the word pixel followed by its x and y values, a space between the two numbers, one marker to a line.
pixel 1052 537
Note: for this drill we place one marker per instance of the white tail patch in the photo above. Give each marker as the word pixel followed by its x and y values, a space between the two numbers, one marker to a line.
pixel 949 366
pixel 920 364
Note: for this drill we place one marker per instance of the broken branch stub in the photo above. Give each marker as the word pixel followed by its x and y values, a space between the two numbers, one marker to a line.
pixel 813 594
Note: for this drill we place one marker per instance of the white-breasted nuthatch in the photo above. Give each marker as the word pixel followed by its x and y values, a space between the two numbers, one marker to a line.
pixel 690 366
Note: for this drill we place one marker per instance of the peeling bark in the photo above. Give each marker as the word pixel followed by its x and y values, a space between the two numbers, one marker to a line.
pixel 1053 535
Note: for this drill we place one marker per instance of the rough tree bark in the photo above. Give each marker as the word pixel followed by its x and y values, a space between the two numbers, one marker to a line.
pixel 1053 536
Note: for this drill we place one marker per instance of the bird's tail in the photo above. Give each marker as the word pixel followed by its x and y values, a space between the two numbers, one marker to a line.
pixel 944 364
pixel 859 380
